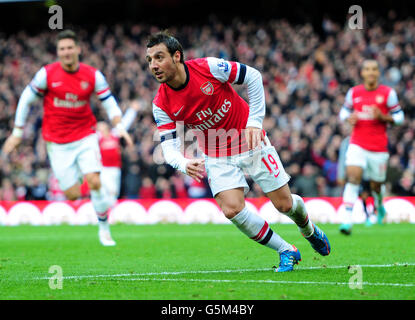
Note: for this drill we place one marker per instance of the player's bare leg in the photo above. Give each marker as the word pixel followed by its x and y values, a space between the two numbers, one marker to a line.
pixel 378 192
pixel 73 193
pixel 232 203
pixel 364 195
pixel 293 207
pixel 101 205
pixel 350 196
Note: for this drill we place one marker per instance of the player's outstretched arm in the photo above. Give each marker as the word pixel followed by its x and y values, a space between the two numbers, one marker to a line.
pixel 13 141
pixel 108 101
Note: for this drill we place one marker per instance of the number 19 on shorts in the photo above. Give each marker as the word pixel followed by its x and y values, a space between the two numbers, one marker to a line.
pixel 271 165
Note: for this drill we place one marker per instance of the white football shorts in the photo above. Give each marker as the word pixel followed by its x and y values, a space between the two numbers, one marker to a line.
pixel 262 165
pixel 374 164
pixel 71 161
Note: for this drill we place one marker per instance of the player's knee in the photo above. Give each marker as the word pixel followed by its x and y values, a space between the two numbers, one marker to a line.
pixel 73 194
pixel 95 185
pixel 284 205
pixel 283 202
pixel 281 198
pixel 354 180
pixel 231 209
pixel 94 181
pixel 375 186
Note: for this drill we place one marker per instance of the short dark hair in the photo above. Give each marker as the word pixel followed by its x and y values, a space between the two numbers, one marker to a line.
pixel 67 34
pixel 370 60
pixel 170 42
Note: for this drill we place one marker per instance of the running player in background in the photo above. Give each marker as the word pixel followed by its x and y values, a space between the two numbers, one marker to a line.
pixel 229 131
pixel 364 190
pixel 109 146
pixel 368 108
pixel 68 125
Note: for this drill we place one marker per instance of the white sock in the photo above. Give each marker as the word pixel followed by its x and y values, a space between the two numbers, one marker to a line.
pixel 104 225
pixel 257 229
pixel 298 214
pixel 101 205
pixel 378 197
pixel 350 196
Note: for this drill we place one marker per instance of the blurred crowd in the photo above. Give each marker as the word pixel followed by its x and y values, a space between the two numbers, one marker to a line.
pixel 305 73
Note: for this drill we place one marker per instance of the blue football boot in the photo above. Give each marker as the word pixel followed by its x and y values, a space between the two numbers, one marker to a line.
pixel 381 214
pixel 319 241
pixel 346 228
pixel 288 259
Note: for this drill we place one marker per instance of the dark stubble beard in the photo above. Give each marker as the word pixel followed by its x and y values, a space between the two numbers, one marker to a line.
pixel 165 80
pixel 168 78
pixel 372 83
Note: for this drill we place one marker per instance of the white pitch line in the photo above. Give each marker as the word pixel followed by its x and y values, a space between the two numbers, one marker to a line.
pixel 78 277
pixel 273 282
pixel 159 273
pixel 397 264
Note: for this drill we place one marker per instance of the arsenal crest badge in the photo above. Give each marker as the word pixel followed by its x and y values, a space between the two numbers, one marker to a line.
pixel 207 88
pixel 379 99
pixel 84 85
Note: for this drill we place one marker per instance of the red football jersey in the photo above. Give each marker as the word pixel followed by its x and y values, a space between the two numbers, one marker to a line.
pixel 207 103
pixel 110 151
pixel 368 133
pixel 67 113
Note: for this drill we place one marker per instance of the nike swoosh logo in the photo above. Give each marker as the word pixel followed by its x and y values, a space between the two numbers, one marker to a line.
pixel 56 84
pixel 176 113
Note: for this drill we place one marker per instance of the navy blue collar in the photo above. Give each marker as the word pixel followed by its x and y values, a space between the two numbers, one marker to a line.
pixel 185 83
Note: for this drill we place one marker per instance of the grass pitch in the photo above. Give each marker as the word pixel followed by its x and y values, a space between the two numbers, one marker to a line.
pixel 197 262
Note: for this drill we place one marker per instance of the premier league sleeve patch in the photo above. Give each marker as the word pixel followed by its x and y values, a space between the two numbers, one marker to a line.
pixel 223 66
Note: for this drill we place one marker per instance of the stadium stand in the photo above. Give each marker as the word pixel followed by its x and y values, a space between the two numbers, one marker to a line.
pixel 306 75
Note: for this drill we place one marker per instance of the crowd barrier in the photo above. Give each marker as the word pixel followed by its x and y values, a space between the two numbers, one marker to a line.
pixel 186 211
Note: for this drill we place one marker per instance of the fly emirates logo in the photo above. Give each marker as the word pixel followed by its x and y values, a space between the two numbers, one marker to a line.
pixel 211 119
pixel 367 112
pixel 71 101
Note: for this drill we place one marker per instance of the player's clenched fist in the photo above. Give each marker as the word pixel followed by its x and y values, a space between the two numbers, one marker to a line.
pixel 11 143
pixel 124 134
pixel 253 137
pixel 195 169
pixel 353 119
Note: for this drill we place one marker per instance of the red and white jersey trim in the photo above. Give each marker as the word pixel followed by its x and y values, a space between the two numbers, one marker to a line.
pixel 102 89
pixel 164 123
pixel 39 82
pixel 224 71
